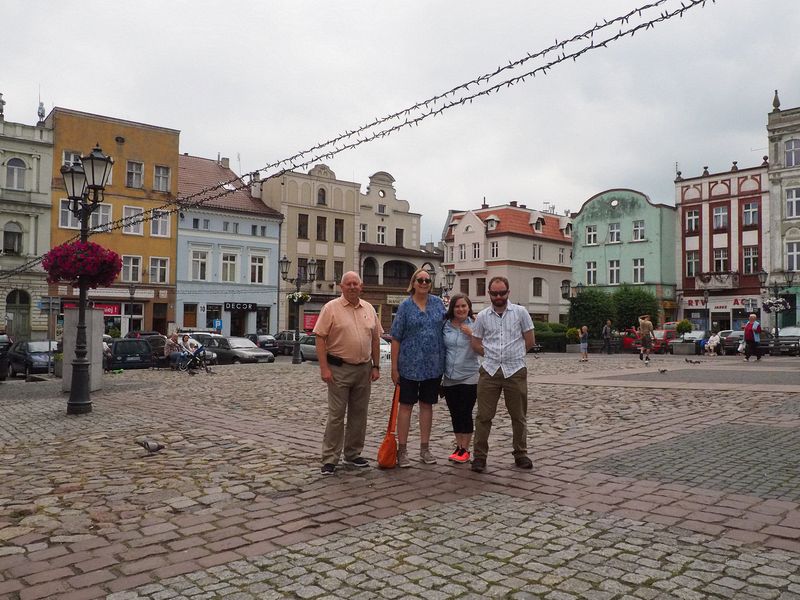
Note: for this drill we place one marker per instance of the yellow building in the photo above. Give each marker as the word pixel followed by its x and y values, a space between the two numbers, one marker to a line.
pixel 142 187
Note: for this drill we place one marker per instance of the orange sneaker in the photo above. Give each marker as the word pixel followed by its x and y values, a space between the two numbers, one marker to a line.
pixel 462 456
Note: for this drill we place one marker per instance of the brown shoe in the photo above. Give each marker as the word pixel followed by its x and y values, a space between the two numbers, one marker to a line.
pixel 478 465
pixel 523 462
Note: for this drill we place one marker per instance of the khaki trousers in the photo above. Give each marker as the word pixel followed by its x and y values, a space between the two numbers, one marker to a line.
pixel 515 392
pixel 347 395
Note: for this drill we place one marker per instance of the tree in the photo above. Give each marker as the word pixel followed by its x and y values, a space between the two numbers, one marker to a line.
pixel 591 308
pixel 684 326
pixel 630 302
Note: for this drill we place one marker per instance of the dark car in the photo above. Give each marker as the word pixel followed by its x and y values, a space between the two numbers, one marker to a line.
pixel 30 357
pixel 731 340
pixel 3 365
pixel 265 341
pixel 285 341
pixel 787 342
pixel 131 354
pixel 233 350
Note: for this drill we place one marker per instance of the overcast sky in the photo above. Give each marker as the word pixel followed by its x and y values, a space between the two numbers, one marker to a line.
pixel 262 80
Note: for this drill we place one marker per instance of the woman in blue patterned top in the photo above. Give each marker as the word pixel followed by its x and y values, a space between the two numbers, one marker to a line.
pixel 417 362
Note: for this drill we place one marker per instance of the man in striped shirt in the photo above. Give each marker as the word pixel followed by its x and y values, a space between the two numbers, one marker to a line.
pixel 503 334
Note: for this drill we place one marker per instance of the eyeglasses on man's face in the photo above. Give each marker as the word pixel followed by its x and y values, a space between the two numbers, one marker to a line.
pixel 423 281
pixel 495 294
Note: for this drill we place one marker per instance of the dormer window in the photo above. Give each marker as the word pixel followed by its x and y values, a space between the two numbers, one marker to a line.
pixel 568 230
pixel 491 222
pixel 538 225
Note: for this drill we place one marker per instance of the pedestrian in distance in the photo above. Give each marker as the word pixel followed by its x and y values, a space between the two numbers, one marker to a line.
pixel 460 380
pixel 752 338
pixel 502 334
pixel 348 350
pixel 417 362
pixel 606 334
pixel 645 337
pixel 584 341
pixel 173 350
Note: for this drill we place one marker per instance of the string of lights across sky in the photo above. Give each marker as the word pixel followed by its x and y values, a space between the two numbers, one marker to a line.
pixel 506 76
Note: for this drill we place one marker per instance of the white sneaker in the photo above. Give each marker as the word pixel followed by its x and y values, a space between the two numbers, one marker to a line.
pixel 426 457
pixel 402 459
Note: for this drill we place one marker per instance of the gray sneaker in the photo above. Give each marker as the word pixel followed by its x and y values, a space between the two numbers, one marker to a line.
pixel 402 459
pixel 426 457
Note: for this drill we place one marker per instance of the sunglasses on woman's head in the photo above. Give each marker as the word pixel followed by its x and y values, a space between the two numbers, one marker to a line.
pixel 422 280
pixel 494 294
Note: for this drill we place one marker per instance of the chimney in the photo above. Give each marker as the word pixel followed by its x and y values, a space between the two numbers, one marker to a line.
pixel 513 203
pixel 255 184
pixel 522 206
pixel 225 162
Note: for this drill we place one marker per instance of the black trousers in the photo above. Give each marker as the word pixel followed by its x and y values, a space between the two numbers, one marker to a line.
pixel 751 348
pixel 461 401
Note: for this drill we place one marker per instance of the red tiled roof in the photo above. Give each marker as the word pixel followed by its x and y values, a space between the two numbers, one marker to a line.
pixel 516 221
pixel 196 174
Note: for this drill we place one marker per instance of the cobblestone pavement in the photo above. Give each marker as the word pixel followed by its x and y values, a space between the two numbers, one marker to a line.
pixel 674 484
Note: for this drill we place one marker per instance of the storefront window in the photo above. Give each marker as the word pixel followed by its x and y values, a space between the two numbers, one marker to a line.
pixel 213 313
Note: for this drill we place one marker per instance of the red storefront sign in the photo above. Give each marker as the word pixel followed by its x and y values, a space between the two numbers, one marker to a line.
pixel 109 310
pixel 309 320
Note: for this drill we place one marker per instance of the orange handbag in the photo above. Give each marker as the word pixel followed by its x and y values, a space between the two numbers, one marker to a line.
pixel 387 453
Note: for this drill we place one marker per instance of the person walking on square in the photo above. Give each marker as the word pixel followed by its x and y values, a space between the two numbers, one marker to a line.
pixel 417 362
pixel 607 337
pixel 348 349
pixel 460 381
pixel 584 340
pixel 645 337
pixel 503 334
pixel 752 338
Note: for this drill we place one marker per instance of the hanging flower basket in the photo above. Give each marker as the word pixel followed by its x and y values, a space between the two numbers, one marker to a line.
pixel 775 305
pixel 298 297
pixel 82 262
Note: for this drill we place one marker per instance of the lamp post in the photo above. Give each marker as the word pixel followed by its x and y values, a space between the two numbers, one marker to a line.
pixel 775 287
pixel 307 275
pixel 132 293
pixel 84 185
pixel 708 311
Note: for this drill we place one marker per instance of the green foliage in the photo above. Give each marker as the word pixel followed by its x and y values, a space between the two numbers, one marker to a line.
pixel 114 332
pixel 551 342
pixel 557 327
pixel 592 308
pixel 684 326
pixel 573 335
pixel 541 326
pixel 632 301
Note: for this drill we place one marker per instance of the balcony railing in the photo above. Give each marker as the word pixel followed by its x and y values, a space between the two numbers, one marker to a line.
pixel 395 282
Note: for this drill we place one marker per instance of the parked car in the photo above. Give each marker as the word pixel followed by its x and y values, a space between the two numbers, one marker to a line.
pixel 787 342
pixel 30 357
pixel 308 347
pixel 386 350
pixel 285 341
pixel 130 353
pixel 630 340
pixel 732 338
pixel 661 338
pixel 264 340
pixel 233 350
pixel 3 365
pixel 697 337
pixel 140 334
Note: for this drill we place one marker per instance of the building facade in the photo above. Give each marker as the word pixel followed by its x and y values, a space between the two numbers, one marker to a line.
pixel 531 248
pixel 722 218
pixel 320 220
pixel 26 163
pixel 228 247
pixel 389 247
pixel 621 237
pixel 136 217
pixel 783 130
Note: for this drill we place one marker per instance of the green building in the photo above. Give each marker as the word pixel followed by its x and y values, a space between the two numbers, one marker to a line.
pixel 621 237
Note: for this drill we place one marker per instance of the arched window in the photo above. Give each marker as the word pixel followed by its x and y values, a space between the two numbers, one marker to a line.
pixel 321 196
pixel 12 239
pixel 15 174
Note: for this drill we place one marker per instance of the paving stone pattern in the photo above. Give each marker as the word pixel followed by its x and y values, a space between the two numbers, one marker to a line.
pixel 637 492
pixel 764 461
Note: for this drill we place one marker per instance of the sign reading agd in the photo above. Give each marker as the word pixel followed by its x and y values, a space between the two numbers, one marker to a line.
pixel 248 306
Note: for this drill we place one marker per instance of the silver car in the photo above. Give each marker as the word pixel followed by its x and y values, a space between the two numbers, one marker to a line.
pixel 308 347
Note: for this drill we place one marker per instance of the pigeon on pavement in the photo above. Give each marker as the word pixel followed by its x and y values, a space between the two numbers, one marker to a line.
pixel 151 446
pixel 662 370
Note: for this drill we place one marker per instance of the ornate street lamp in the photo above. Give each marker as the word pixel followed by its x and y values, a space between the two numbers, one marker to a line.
pixel 775 287
pixel 131 293
pixel 303 276
pixel 84 185
pixel 579 288
pixel 565 289
pixel 449 280
pixel 708 311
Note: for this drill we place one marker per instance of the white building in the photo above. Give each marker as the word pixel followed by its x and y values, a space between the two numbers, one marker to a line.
pixel 26 162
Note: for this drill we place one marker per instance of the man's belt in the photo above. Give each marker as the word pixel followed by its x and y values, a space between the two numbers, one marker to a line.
pixel 338 362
